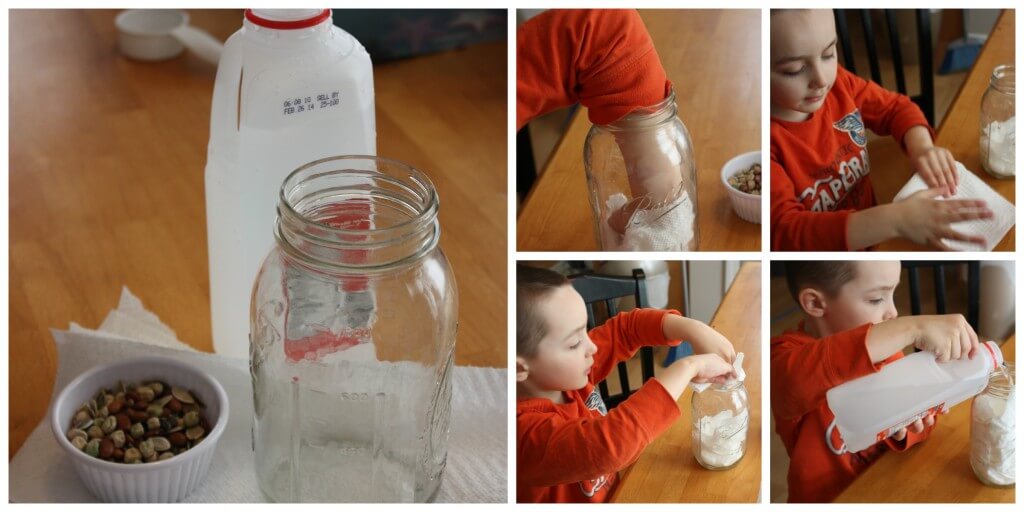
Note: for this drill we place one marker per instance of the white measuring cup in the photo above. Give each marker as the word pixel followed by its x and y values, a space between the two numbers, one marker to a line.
pixel 158 34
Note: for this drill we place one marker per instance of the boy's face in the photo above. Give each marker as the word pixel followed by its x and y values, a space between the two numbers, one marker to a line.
pixel 868 298
pixel 565 354
pixel 803 61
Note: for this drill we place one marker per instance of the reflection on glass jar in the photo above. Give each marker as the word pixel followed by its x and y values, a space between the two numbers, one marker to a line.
pixel 998 123
pixel 353 322
pixel 643 181
pixel 720 420
pixel 993 430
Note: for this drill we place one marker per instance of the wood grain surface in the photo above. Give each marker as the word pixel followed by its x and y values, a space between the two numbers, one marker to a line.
pixel 959 133
pixel 106 184
pixel 935 471
pixel 713 58
pixel 666 472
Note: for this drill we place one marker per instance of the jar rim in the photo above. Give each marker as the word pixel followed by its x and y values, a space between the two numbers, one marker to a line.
pixel 429 212
pixel 1003 78
pixel 406 240
pixel 645 117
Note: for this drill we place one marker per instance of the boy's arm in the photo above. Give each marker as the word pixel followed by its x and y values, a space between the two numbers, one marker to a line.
pixel 802 372
pixel 552 450
pixel 603 58
pixel 884 112
pixel 623 334
pixel 794 227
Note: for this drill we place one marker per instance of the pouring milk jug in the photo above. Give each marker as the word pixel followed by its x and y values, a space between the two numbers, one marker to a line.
pixel 874 407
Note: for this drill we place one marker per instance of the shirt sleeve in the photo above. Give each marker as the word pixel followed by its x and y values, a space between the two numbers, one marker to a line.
pixel 884 112
pixel 621 336
pixel 794 227
pixel 602 58
pixel 553 450
pixel 803 371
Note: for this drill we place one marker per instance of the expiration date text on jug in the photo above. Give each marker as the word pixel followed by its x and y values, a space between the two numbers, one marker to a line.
pixel 299 104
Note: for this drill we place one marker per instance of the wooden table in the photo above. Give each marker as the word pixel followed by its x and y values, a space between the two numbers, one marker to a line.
pixel 935 471
pixel 958 132
pixel 667 471
pixel 106 184
pixel 714 61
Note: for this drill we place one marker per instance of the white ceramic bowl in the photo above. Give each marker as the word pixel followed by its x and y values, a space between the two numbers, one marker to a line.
pixel 747 206
pixel 165 481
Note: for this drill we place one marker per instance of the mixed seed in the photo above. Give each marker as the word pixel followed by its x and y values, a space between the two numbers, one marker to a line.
pixel 748 181
pixel 139 423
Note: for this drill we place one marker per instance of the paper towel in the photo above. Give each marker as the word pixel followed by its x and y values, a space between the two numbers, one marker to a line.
pixel 477 449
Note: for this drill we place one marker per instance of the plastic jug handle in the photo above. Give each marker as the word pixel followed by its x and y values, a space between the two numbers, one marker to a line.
pixel 199 42
pixel 828 440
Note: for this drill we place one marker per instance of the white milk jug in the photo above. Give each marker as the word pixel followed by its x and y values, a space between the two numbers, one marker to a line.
pixel 291 88
pixel 874 407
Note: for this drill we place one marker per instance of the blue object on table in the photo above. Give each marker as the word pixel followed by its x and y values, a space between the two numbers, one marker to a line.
pixel 677 352
pixel 390 34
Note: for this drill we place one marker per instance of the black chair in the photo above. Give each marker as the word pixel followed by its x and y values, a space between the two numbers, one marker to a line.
pixel 596 289
pixel 926 99
pixel 526 168
pixel 939 276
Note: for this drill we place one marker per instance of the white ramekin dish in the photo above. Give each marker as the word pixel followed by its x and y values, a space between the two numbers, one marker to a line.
pixel 164 481
pixel 747 206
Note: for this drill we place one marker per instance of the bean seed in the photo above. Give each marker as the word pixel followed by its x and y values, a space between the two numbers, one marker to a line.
pixel 77 432
pixel 109 424
pixel 160 444
pixel 182 395
pixel 92 448
pixel 118 438
pixel 79 442
pixel 132 456
pixel 194 433
pixel 106 448
pixel 146 448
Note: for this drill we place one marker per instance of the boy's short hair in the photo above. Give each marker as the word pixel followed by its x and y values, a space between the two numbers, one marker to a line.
pixel 825 276
pixel 532 284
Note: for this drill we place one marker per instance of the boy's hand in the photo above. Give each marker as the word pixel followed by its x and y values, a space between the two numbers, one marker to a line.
pixel 937 168
pixel 916 427
pixel 710 368
pixel 947 336
pixel 923 220
pixel 701 336
pixel 936 165
pixel 698 368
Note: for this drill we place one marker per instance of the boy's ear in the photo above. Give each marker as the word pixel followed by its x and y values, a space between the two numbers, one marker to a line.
pixel 522 371
pixel 812 302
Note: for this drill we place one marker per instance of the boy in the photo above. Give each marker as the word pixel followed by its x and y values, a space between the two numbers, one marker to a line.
pixel 569 446
pixel 850 329
pixel 821 195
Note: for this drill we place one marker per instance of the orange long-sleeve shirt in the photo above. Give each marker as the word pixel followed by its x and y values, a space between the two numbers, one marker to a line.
pixel 803 369
pixel 601 58
pixel 819 167
pixel 571 452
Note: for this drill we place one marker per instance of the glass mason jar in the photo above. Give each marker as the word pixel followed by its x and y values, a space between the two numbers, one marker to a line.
pixel 993 431
pixel 998 123
pixel 720 418
pixel 353 322
pixel 643 181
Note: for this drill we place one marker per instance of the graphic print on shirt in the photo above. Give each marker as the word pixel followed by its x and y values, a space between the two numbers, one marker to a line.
pixel 596 403
pixel 853 125
pixel 835 185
